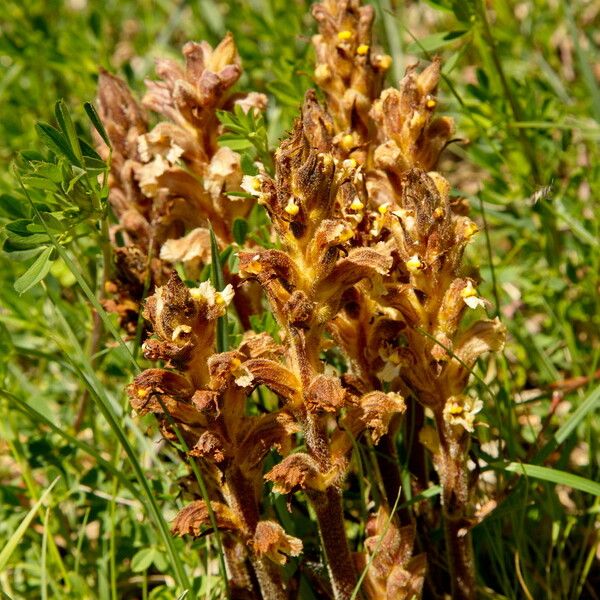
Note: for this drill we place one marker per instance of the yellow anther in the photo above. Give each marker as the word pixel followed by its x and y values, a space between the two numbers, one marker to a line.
pixel 346 235
pixel 347 142
pixel 431 103
pixel 469 291
pixel 255 184
pixel 470 228
pixel 292 208
pixel 357 204
pixel 350 163
pixel 344 35
pixel 219 298
pixel 142 392
pixel 384 208
pixel 438 213
pixel 383 61
pixel 455 409
pixel 414 263
pixel 362 49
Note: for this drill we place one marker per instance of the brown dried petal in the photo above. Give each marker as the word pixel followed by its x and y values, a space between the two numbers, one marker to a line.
pixel 268 264
pixel 274 430
pixel 375 411
pixel 159 391
pixel 120 113
pixel 271 540
pixel 211 446
pixel 407 582
pixel 223 368
pixel 194 246
pixel 297 472
pixel 361 263
pixel 325 394
pixel 206 402
pixel 259 345
pixel 481 337
pixel 169 307
pixel 275 376
pixel 194 516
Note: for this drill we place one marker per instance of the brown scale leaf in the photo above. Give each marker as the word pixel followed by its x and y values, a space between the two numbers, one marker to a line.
pixel 274 430
pixel 210 446
pixel 276 377
pixel 297 472
pixel 271 540
pixel 325 394
pixel 194 517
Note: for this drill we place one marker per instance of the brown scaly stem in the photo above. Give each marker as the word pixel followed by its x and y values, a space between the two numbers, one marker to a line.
pixel 455 505
pixel 241 496
pixel 240 579
pixel 328 508
pixel 327 505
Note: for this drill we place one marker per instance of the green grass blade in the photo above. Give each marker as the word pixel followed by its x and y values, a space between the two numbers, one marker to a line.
pixel 39 418
pixel 553 476
pixel 587 407
pixel 16 537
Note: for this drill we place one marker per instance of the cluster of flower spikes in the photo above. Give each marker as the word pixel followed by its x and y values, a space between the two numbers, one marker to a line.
pixel 203 393
pixel 407 336
pixel 167 183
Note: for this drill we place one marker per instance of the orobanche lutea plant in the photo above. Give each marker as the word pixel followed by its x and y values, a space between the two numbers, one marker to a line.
pixel 363 275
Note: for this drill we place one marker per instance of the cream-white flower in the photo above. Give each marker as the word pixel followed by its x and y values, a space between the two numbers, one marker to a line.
pixel 461 410
pixel 469 295
pixel 205 291
pixel 251 184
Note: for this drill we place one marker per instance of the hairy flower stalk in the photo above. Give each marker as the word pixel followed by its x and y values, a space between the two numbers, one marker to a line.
pixel 168 183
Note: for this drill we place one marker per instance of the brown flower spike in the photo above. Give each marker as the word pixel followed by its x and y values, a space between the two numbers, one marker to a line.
pixel 168 183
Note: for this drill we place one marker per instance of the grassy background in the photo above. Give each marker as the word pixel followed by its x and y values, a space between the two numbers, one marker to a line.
pixel 522 82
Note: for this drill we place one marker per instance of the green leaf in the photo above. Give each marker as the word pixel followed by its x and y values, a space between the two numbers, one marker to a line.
pixel 65 122
pixel 12 206
pixel 234 142
pixel 553 476
pixel 240 230
pixel 90 111
pixel 435 41
pixel 36 272
pixel 218 282
pixel 55 141
pixel 142 560
pixel 16 537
